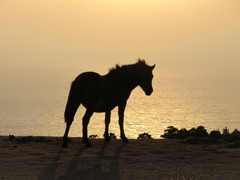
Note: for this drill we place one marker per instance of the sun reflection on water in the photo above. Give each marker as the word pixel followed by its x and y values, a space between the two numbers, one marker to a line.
pixel 183 102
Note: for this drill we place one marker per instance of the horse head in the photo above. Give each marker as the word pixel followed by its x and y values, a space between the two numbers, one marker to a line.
pixel 146 76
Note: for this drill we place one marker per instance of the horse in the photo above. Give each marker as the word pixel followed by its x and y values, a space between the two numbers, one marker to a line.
pixel 102 93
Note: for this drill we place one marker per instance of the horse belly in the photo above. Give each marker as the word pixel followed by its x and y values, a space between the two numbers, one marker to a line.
pixel 102 105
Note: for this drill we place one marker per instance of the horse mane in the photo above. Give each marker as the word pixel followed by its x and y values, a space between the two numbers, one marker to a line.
pixel 141 63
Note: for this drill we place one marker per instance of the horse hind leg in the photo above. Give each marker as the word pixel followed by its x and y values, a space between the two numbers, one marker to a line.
pixel 70 111
pixel 65 137
pixel 69 121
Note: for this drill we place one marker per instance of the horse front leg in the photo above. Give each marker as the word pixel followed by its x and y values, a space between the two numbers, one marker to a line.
pixel 85 122
pixel 107 122
pixel 121 110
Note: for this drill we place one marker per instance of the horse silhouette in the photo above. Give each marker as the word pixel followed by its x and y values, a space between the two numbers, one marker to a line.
pixel 103 93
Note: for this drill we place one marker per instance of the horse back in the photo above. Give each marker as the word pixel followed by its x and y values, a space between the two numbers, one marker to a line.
pixel 99 93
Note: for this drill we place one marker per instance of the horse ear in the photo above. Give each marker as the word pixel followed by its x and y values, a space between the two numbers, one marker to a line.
pixel 152 67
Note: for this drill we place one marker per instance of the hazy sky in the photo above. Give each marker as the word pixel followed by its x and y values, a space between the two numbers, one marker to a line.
pixel 57 35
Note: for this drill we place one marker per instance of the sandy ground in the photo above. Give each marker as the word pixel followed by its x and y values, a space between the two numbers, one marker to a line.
pixel 140 159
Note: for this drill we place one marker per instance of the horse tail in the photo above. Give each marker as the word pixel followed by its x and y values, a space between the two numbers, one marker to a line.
pixel 73 103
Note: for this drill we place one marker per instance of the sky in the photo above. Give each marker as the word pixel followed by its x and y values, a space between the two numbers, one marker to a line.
pixel 69 36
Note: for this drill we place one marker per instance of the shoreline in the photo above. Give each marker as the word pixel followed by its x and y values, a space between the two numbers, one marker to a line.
pixel 42 157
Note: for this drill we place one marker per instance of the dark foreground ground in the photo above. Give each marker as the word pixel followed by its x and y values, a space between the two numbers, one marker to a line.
pixel 44 158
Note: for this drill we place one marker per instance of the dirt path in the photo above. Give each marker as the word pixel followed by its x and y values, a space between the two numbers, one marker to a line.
pixel 140 159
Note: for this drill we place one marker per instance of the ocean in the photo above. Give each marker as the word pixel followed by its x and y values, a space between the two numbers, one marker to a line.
pixel 34 105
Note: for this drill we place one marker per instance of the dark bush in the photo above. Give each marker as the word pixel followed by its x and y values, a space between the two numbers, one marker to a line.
pixel 144 136
pixel 173 133
pixel 215 135
pixel 182 134
pixel 200 135
pixel 94 136
pixel 170 133
pixel 235 134
pixel 192 132
pixel 201 132
pixel 112 136
pixel 225 132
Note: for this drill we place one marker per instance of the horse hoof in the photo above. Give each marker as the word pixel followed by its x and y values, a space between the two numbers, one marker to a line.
pixel 125 140
pixel 64 144
pixel 107 139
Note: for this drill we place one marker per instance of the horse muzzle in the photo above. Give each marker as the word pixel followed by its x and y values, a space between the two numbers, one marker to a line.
pixel 148 93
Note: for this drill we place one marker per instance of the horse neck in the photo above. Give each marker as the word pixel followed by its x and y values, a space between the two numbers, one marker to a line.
pixel 131 79
pixel 125 80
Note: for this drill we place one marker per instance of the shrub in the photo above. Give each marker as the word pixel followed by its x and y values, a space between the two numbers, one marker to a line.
pixel 112 136
pixel 235 135
pixel 192 132
pixel 170 132
pixel 182 134
pixel 215 135
pixel 201 132
pixel 225 132
pixel 93 136
pixel 144 136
